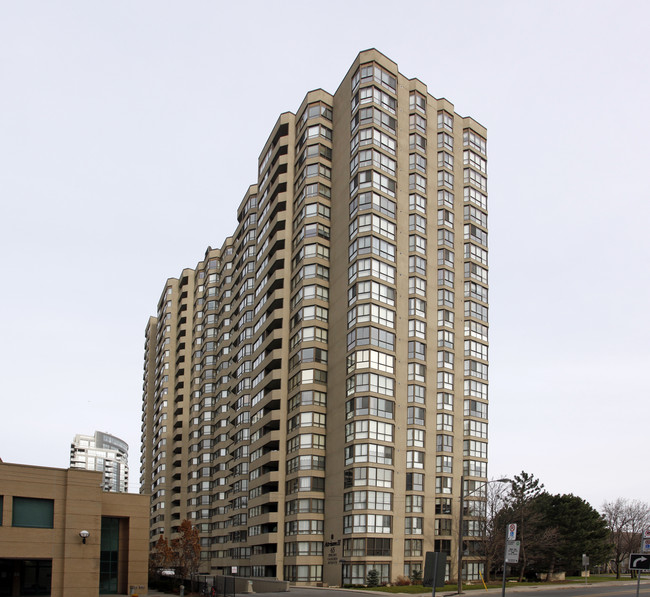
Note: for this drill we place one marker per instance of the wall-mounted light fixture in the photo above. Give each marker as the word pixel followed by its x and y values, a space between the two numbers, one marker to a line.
pixel 84 535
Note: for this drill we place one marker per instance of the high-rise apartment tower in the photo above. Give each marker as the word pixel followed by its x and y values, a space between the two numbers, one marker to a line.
pixel 105 453
pixel 315 390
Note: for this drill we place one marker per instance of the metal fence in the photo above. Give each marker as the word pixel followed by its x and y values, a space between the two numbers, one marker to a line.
pixel 218 586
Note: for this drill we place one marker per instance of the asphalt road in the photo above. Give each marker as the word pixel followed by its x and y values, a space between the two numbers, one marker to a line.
pixel 606 589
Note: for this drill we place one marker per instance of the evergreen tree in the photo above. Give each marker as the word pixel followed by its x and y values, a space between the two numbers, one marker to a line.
pixel 578 529
pixel 524 490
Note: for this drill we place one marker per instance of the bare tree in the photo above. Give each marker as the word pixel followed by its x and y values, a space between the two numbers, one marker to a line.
pixel 626 520
pixel 494 526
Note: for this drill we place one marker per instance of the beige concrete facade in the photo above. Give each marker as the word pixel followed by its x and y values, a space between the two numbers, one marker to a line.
pixel 78 504
pixel 315 389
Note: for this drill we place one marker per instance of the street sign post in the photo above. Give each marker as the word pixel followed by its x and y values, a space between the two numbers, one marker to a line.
pixel 510 553
pixel 641 563
pixel 511 533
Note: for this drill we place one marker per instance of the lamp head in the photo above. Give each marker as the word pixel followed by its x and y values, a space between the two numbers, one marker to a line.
pixel 84 535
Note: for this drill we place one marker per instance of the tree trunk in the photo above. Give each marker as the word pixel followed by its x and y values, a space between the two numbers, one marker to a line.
pixel 523 568
pixel 551 569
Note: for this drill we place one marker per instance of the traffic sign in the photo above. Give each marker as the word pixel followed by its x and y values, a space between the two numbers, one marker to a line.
pixel 646 533
pixel 646 545
pixel 511 532
pixel 512 552
pixel 639 561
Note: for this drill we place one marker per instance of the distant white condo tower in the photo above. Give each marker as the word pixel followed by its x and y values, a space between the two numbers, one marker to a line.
pixel 105 453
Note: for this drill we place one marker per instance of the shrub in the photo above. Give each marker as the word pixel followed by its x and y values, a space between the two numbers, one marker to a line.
pixel 372 580
pixel 416 577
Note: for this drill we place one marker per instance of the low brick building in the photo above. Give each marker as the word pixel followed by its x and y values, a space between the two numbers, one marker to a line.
pixel 61 535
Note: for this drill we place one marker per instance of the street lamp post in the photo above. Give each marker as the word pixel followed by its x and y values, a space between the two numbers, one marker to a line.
pixel 460 524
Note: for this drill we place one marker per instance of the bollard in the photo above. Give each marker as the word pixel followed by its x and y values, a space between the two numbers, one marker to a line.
pixel 182 593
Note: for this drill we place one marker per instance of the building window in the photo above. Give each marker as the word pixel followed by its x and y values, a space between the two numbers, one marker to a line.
pixel 303 573
pixel 474 408
pixel 443 505
pixel 446 237
pixel 417 122
pixel 417 307
pixel 33 513
pixel 444 443
pixel 471 139
pixel 357 574
pixel 475 428
pixel 414 503
pixel 445 140
pixel 371 476
pixel 444 464
pixel 419 183
pixel 414 482
pixel 442 526
pixel 413 525
pixel 304 548
pixel 417 372
pixel 417 286
pixel 371 546
pixel 473 177
pixel 474 448
pixel 368 500
pixel 417 202
pixel 445 179
pixel 414 459
pixel 416 394
pixel 412 547
pixel 445 401
pixel 445 121
pixel 369 429
pixel 445 297
pixel 417 350
pixel 368 523
pixel 369 405
pixel 445 359
pixel 415 415
pixel 108 564
pixel 376 453
pixel 443 484
pixel 417 141
pixel 444 422
pixel 473 570
pixel 417 162
pixel 417 102
pixel 415 438
pixel 417 265
pixel 417 223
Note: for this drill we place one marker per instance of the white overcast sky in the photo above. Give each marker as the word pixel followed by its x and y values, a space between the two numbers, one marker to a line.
pixel 130 130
